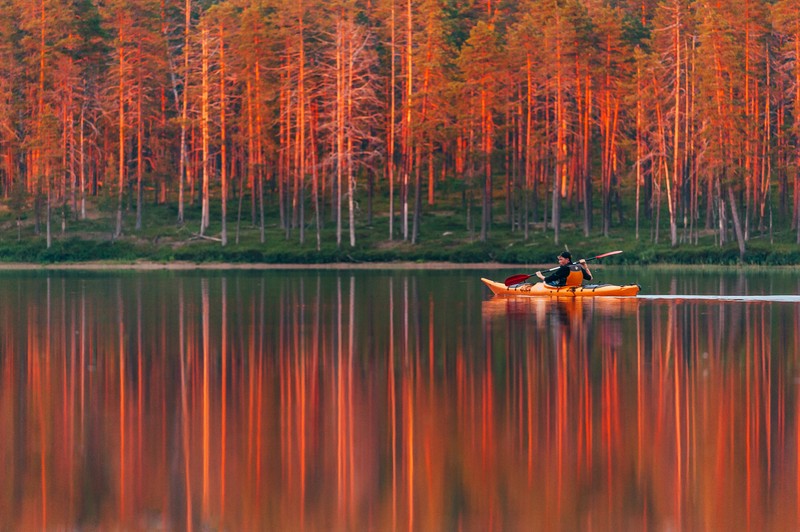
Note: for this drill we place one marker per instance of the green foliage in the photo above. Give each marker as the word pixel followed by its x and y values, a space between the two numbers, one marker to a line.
pixel 634 32
pixel 70 250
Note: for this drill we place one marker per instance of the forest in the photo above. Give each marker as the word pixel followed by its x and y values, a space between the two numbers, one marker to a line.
pixel 677 121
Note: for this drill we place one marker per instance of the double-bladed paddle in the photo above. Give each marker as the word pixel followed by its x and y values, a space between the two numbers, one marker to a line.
pixel 522 277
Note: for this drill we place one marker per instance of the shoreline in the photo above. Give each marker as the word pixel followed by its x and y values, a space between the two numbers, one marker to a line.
pixel 216 266
pixel 147 265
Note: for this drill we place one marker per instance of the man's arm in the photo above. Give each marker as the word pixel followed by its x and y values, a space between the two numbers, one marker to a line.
pixel 587 273
pixel 561 273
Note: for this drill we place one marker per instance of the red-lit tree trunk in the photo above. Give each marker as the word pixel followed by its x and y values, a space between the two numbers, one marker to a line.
pixel 796 187
pixel 205 217
pixel 407 149
pixel 223 132
pixel 298 201
pixel 677 170
pixel 390 143
pixel 139 135
pixel 120 121
pixel 560 155
pixel 182 164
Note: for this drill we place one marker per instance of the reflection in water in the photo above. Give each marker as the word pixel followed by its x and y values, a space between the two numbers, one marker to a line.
pixel 344 402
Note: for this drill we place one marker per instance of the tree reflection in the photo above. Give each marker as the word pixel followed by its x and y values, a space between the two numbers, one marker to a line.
pixel 242 403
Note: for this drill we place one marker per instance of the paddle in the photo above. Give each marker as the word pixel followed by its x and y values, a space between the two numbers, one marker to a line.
pixel 522 277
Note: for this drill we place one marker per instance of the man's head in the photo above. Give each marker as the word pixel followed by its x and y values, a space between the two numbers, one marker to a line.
pixel 565 257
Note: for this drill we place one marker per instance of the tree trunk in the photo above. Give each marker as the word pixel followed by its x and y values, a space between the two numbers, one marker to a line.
pixel 407 137
pixel 139 138
pixel 392 122
pixel 351 183
pixel 486 140
pixel 223 138
pixel 560 151
pixel 672 197
pixel 736 224
pixel 121 131
pixel 259 155
pixel 340 140
pixel 315 185
pixel 251 155
pixel 796 209
pixel 529 174
pixel 639 148
pixel 417 195
pixel 300 134
pixel 204 129
pixel 184 110
pixel 82 170
pixel 588 197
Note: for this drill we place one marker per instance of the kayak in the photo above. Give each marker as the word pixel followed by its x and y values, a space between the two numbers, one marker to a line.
pixel 542 289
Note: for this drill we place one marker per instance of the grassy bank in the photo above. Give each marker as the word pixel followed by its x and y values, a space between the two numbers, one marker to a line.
pixel 446 234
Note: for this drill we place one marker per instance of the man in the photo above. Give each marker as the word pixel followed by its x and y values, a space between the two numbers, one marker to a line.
pixel 567 274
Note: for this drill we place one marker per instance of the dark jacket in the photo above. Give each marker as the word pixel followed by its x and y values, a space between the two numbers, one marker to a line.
pixel 559 277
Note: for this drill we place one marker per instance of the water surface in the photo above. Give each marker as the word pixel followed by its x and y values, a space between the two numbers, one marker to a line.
pixel 381 400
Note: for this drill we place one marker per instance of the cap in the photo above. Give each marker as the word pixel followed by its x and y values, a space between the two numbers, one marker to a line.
pixel 566 254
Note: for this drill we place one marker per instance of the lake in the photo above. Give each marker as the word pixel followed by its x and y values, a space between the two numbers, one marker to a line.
pixel 397 399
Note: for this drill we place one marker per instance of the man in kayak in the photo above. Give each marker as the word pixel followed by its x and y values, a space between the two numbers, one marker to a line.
pixel 568 273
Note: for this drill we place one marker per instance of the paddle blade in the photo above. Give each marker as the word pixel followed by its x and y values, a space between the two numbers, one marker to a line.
pixel 609 254
pixel 516 279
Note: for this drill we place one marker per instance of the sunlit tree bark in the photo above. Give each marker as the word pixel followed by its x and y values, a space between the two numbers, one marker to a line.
pixel 184 109
pixel 408 124
pixel 205 217
pixel 786 20
pixel 123 111
pixel 351 114
pixel 122 73
pixel 612 52
pixel 478 62
pixel 223 131
pixel 390 143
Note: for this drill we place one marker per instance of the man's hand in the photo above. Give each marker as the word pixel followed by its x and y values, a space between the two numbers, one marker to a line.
pixel 540 275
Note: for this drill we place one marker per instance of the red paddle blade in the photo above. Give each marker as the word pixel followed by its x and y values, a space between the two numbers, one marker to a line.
pixel 516 279
pixel 609 254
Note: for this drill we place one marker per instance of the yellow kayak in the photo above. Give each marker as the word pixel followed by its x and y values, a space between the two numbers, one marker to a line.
pixel 542 289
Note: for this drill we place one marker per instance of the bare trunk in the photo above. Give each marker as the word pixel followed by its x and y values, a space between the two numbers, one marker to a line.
pixel 588 196
pixel 204 129
pixel 251 156
pixel 139 140
pixel 340 140
pixel 392 119
pixel 121 136
pixel 736 224
pixel 349 110
pixel 184 110
pixel 82 170
pixel 797 104
pixel 408 139
pixel 639 149
pixel 259 154
pixel 676 167
pixel 315 186
pixel 766 166
pixel 223 138
pixel 300 139
pixel 486 140
pixel 560 149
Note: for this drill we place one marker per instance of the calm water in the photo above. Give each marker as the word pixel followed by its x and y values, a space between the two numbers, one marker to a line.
pixel 403 400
